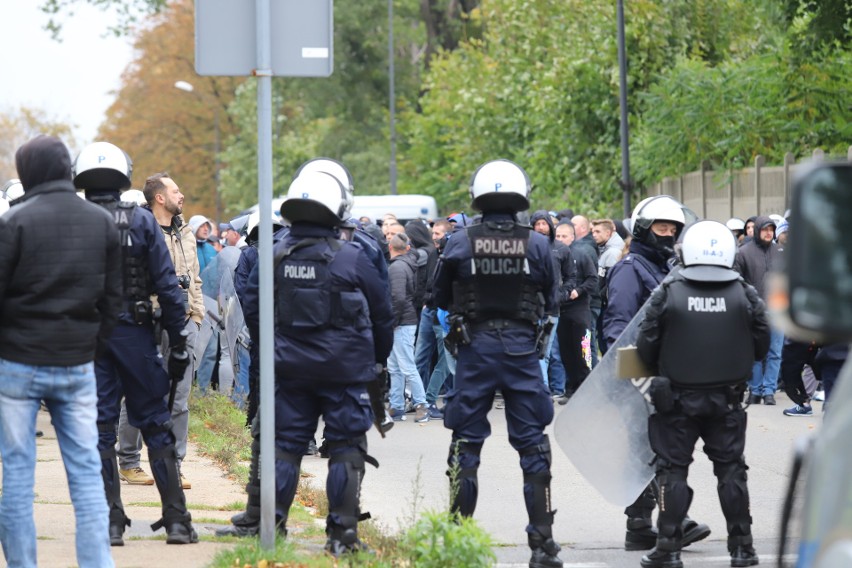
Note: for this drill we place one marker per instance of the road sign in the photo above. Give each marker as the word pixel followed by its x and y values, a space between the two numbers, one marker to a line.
pixel 301 38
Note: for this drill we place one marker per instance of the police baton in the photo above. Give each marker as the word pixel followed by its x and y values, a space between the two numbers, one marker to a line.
pixel 376 390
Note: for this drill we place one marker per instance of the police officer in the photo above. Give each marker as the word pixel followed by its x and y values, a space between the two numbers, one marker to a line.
pixel 247 523
pixel 129 364
pixel 704 310
pixel 498 280
pixel 333 321
pixel 656 223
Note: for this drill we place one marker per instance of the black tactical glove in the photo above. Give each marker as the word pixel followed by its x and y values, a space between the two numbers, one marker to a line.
pixel 178 357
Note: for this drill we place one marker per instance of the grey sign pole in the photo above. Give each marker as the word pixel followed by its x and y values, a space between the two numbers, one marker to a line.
pixel 267 342
pixel 230 39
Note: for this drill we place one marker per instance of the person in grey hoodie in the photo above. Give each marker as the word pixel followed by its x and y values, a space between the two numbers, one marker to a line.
pixel 754 261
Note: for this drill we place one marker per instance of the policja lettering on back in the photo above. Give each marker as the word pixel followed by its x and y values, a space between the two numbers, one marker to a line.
pixel 484 279
pixel 700 304
pixel 300 272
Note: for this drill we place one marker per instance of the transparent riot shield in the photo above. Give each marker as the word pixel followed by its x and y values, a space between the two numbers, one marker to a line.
pixel 604 427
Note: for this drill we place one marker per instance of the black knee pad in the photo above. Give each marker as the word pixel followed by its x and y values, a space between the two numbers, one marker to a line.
pixel 352 454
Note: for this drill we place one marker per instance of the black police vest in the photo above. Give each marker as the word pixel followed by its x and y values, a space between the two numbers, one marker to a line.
pixel 305 295
pixel 707 340
pixel 134 269
pixel 499 286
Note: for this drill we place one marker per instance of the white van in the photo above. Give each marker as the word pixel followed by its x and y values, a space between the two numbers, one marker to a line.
pixel 405 207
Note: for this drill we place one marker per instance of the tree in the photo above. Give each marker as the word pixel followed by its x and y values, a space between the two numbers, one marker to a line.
pixel 128 12
pixel 163 128
pixel 20 125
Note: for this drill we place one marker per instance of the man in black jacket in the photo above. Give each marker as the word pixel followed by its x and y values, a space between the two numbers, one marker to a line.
pixel 60 288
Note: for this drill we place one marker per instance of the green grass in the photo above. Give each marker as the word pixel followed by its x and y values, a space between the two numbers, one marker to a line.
pixel 219 431
pixel 218 427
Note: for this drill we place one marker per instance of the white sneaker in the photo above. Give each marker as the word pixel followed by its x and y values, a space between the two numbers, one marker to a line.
pixel 819 395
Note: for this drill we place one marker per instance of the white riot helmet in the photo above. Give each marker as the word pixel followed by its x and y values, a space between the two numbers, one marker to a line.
pixel 102 167
pixel 336 169
pixel 500 185
pixel 735 224
pixel 4 206
pixel 252 226
pixel 12 189
pixel 658 208
pixel 134 196
pixel 315 197
pixel 707 251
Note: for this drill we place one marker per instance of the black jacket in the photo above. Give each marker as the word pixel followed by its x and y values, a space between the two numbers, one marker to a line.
pixel 60 277
pixel 755 259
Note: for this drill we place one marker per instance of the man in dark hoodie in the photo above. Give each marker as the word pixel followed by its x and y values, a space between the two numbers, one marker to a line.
pixel 60 288
pixel 566 268
pixel 754 261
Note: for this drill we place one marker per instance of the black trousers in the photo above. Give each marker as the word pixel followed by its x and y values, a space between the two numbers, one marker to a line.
pixel 721 423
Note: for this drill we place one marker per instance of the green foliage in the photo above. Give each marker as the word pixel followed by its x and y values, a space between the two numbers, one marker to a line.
pixel 765 104
pixel 128 12
pixel 548 98
pixel 442 540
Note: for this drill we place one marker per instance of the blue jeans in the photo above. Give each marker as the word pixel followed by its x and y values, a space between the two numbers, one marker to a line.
pixel 545 361
pixel 71 397
pixel 764 376
pixel 403 370
pixel 555 370
pixel 442 368
pixel 241 381
pixel 426 343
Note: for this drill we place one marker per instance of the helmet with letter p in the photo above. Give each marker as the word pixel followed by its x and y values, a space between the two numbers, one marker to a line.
pixel 102 167
pixel 316 197
pixel 500 185
pixel 335 169
pixel 707 252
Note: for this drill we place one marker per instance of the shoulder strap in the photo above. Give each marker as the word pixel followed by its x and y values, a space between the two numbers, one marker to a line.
pixel 333 243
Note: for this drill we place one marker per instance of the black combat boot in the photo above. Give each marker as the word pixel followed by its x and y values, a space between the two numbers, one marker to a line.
pixel 118 521
pixel 641 533
pixel 742 551
pixel 666 554
pixel 544 551
pixel 176 519
pixel 693 531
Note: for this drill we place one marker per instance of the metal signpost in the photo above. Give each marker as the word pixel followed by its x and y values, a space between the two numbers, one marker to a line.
pixel 288 38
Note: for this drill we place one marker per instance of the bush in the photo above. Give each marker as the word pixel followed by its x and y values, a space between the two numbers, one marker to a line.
pixel 442 539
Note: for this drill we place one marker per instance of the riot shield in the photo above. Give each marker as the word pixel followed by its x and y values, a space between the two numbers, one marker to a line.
pixel 604 427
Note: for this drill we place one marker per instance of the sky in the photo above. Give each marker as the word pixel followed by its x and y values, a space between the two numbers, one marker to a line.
pixel 73 81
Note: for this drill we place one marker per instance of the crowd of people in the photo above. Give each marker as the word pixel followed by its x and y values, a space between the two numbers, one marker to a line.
pixel 461 311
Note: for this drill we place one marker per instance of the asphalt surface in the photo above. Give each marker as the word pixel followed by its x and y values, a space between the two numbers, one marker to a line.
pixel 411 479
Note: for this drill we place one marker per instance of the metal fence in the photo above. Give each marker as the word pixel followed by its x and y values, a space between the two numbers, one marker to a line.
pixel 720 195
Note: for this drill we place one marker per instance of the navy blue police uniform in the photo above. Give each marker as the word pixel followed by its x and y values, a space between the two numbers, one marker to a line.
pixel 500 277
pixel 130 365
pixel 688 324
pixel 333 321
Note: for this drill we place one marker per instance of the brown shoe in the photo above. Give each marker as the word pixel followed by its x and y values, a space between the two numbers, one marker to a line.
pixel 421 413
pixel 184 482
pixel 135 476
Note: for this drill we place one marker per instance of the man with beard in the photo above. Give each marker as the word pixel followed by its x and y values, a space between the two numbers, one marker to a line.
pixel 166 203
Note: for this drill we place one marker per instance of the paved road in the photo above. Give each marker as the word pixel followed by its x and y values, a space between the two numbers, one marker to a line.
pixel 411 479
pixel 591 530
